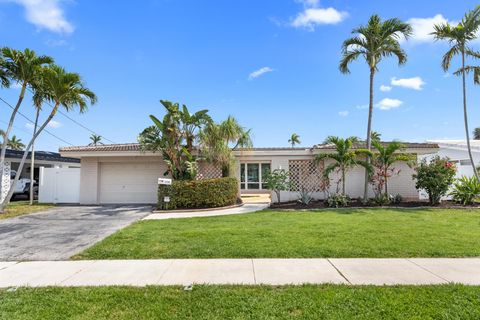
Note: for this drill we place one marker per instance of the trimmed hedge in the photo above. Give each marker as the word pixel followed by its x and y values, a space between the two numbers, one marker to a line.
pixel 209 193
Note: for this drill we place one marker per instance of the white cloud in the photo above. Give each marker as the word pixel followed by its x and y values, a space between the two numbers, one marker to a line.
pixel 387 104
pixel 54 124
pixel 313 15
pixel 29 125
pixel 362 106
pixel 257 73
pixel 415 83
pixel 343 113
pixel 385 88
pixel 46 14
pixel 423 27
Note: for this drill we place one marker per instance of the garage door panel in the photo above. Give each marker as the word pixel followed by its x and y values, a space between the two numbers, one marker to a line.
pixel 130 182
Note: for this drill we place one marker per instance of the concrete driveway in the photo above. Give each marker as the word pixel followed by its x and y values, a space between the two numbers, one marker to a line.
pixel 59 233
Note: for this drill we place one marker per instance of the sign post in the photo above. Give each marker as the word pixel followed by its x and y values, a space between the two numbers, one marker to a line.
pixel 164 187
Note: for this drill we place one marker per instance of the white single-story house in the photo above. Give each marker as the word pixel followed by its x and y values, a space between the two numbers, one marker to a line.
pixel 122 173
pixel 456 150
pixel 45 159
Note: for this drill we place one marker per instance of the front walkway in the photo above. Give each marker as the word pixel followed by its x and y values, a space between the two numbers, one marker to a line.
pixel 246 208
pixel 240 271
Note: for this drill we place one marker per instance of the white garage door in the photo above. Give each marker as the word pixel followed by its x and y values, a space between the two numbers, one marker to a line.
pixel 130 182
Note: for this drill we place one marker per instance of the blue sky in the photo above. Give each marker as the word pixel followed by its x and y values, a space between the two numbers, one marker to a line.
pixel 273 64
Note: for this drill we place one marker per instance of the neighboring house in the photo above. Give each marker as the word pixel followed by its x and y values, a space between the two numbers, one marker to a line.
pixel 456 150
pixel 122 173
pixel 42 159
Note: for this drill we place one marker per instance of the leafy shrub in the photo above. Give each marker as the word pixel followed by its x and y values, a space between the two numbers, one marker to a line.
pixel 465 190
pixel 435 177
pixel 337 200
pixel 381 200
pixel 304 197
pixel 396 199
pixel 210 193
pixel 277 181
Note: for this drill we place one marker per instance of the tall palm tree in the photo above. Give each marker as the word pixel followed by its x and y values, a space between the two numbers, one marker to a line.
pixel 62 89
pixel 95 139
pixel 15 144
pixel 294 140
pixel 217 141
pixel 386 155
pixel 192 123
pixel 22 67
pixel 345 157
pixel 373 42
pixel 459 38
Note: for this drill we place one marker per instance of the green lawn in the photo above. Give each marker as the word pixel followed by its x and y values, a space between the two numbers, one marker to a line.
pixel 228 302
pixel 324 233
pixel 23 207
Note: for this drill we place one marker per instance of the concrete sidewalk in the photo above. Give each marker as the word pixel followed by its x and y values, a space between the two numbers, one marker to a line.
pixel 246 208
pixel 240 271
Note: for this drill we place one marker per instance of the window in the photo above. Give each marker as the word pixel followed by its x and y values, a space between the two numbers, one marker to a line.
pixel 465 162
pixel 251 175
pixel 265 172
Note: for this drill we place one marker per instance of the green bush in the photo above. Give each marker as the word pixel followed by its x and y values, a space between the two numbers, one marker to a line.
pixel 210 193
pixel 337 200
pixel 466 190
pixel 435 177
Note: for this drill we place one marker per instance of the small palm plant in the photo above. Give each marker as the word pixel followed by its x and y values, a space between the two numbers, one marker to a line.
pixel 476 131
pixel 345 157
pixel 386 156
pixel 466 190
pixel 15 143
pixel 374 42
pixel 95 140
pixel 459 37
pixel 294 140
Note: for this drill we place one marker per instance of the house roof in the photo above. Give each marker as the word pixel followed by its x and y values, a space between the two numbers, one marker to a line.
pixel 103 148
pixel 362 145
pixel 135 147
pixel 458 144
pixel 41 156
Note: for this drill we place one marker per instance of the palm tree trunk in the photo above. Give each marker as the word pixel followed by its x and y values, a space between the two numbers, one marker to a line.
pixel 32 157
pixel 25 153
pixel 465 115
pixel 343 181
pixel 386 181
pixel 9 129
pixel 369 132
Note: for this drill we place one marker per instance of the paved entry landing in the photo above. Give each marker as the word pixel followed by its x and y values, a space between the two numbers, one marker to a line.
pixel 59 233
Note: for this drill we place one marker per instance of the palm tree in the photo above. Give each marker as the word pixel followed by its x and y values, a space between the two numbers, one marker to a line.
pixel 375 136
pixel 62 89
pixel 217 141
pixel 192 123
pixel 375 41
pixel 96 139
pixel 15 144
pixel 22 67
pixel 294 139
pixel 476 134
pixel 386 155
pixel 459 38
pixel 345 157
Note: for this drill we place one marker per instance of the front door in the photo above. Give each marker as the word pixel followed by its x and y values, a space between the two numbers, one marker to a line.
pixel 252 175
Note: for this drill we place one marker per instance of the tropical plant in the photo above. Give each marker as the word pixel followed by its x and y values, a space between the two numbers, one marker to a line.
pixel 217 141
pixel 62 89
pixel 476 133
pixel 466 190
pixel 345 157
pixel 192 123
pixel 304 197
pixel 373 42
pixel 337 200
pixel 15 143
pixel 95 139
pixel 384 157
pixel 459 37
pixel 278 181
pixel 294 140
pixel 375 136
pixel 23 68
pixel 168 137
pixel 435 177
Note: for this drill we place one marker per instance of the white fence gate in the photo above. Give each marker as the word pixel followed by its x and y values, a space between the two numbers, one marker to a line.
pixel 59 185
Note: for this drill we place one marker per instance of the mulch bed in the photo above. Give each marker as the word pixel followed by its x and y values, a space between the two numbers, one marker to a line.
pixel 358 204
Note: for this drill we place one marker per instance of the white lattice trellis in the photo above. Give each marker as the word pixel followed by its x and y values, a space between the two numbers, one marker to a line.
pixel 4 180
pixel 208 171
pixel 305 175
